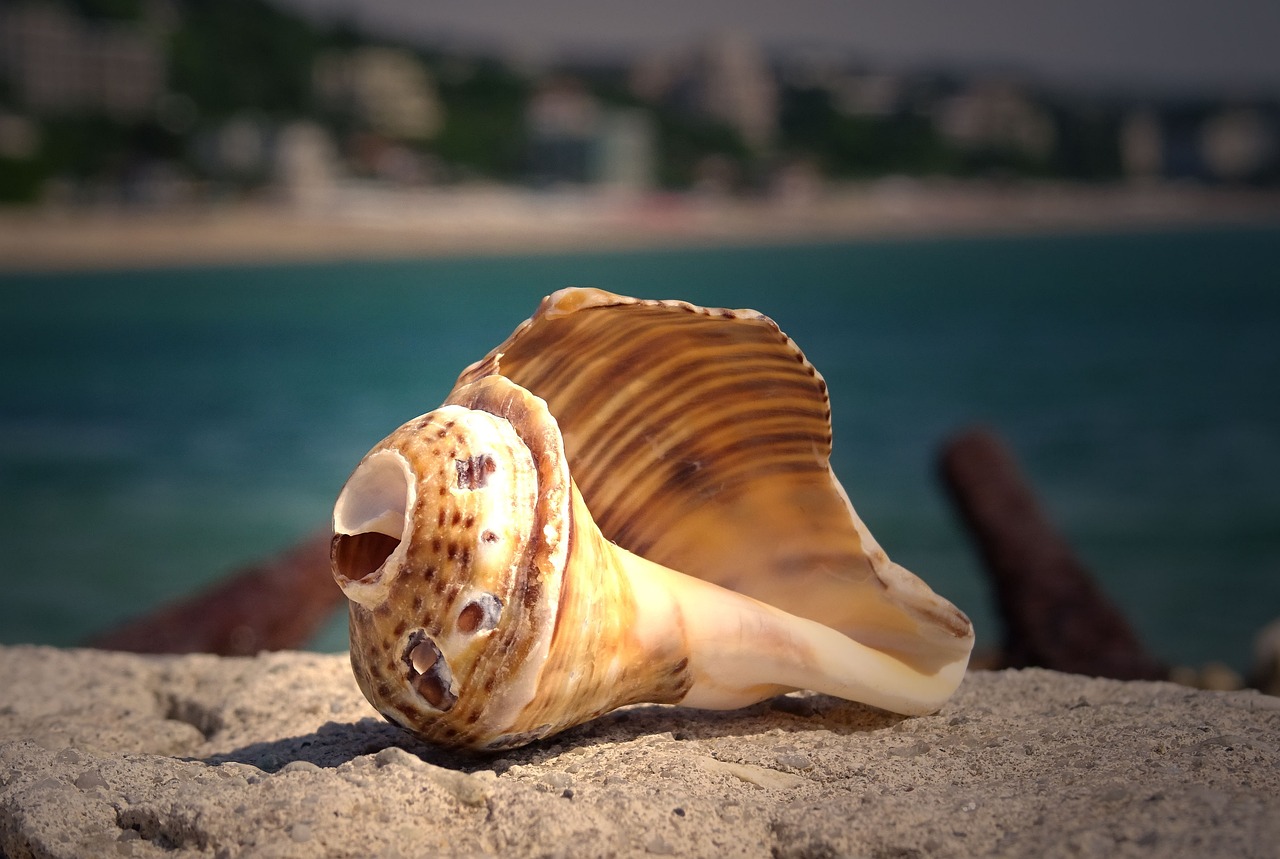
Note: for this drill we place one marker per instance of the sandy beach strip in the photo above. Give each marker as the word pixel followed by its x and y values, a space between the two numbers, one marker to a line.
pixel 358 223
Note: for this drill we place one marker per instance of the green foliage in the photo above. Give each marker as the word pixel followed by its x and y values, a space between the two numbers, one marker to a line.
pixel 21 180
pixel 857 147
pixel 237 55
pixel 108 10
pixel 484 121
pixel 610 84
pixel 1088 144
pixel 96 146
pixel 685 142
pixel 85 146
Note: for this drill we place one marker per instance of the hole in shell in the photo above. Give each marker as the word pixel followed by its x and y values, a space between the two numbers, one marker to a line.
pixel 474 473
pixel 432 688
pixel 480 615
pixel 423 657
pixel 428 671
pixel 355 556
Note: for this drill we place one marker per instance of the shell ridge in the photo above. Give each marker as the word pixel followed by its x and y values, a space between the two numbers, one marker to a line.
pixel 537 567
pixel 693 401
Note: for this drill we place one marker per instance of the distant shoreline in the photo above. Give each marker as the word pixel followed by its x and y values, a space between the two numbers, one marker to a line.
pixel 369 224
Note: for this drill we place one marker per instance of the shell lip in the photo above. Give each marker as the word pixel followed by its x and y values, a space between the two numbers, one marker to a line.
pixel 372 526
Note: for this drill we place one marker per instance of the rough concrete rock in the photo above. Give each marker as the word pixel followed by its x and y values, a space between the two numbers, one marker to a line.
pixel 108 754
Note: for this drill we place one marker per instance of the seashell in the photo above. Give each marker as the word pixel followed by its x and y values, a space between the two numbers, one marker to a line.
pixel 627 501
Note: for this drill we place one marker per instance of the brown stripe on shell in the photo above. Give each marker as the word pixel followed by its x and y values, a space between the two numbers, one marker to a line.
pixel 684 374
pixel 599 347
pixel 659 532
pixel 693 385
pixel 647 411
pixel 694 401
pixel 641 455
pixel 654 535
pixel 687 485
pixel 706 434
pixel 649 351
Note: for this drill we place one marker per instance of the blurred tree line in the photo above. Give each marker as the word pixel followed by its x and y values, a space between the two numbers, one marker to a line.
pixel 235 58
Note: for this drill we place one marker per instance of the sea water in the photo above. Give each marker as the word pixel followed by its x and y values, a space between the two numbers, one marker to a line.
pixel 160 428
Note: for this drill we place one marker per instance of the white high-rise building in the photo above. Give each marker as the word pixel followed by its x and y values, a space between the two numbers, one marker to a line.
pixel 738 88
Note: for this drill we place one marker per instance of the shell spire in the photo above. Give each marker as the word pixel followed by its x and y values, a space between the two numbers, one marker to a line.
pixel 626 501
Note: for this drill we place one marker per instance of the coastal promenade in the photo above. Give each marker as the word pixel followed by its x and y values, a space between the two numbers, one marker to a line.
pixel 358 222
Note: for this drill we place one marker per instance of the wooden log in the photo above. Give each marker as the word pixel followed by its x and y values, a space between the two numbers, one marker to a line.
pixel 1055 615
pixel 277 605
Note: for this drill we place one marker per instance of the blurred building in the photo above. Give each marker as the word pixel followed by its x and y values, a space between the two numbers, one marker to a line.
pixel 1237 143
pixel 1142 145
pixel 58 64
pixel 996 115
pixel 388 90
pixel 306 164
pixel 626 151
pixel 574 139
pixel 868 94
pixel 726 79
pixel 562 120
pixel 240 149
pixel 738 88
pixel 1201 142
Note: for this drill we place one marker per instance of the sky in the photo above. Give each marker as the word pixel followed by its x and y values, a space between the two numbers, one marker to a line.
pixel 1227 47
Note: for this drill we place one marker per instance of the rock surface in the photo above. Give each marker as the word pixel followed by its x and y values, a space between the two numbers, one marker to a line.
pixel 109 754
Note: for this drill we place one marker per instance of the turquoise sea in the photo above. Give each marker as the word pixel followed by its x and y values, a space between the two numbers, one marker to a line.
pixel 160 428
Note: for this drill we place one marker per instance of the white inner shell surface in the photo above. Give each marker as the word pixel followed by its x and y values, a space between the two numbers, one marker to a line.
pixel 375 500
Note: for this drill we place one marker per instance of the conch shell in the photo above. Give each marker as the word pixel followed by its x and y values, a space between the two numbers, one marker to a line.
pixel 627 501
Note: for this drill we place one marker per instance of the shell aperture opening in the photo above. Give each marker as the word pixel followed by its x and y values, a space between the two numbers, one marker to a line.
pixel 369 516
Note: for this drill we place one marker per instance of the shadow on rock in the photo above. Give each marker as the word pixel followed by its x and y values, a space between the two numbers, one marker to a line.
pixel 336 743
pixel 790 713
